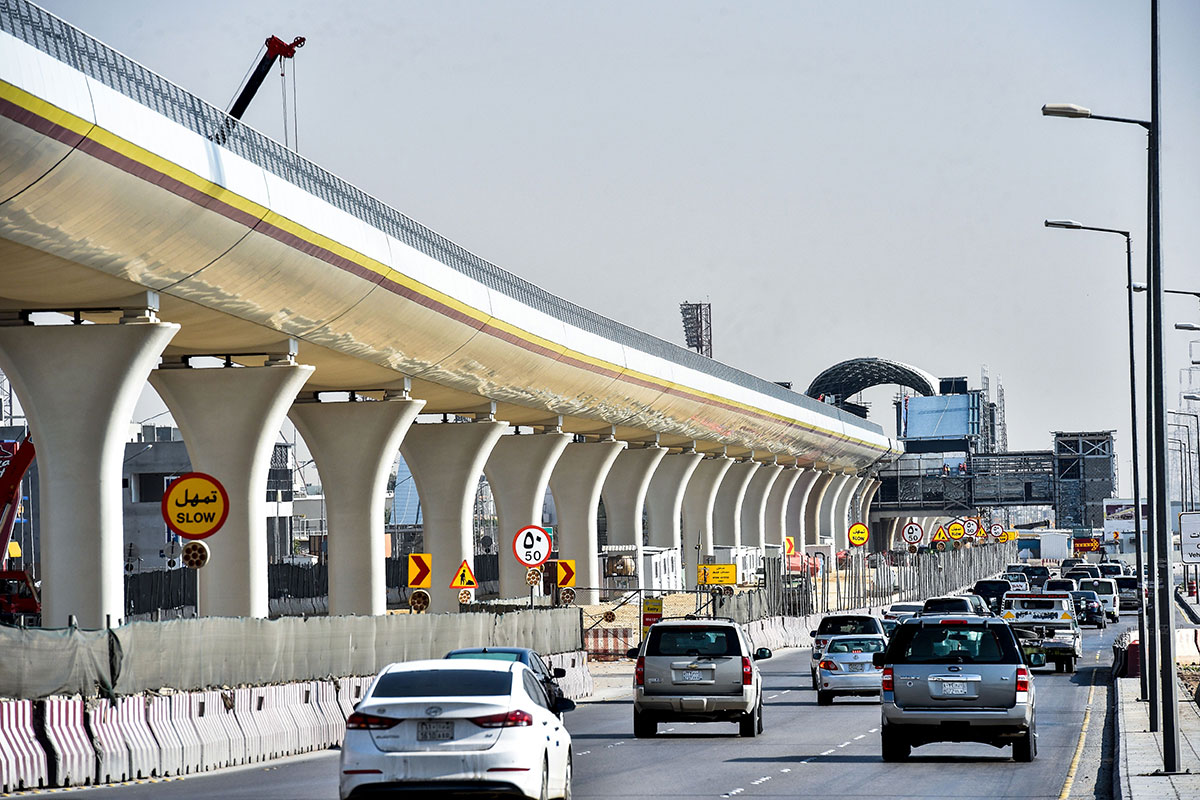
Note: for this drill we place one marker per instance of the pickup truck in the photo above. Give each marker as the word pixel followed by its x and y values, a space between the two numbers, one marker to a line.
pixel 1052 615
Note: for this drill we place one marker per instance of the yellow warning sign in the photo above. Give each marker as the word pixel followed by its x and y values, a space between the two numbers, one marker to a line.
pixel 858 534
pixel 420 570
pixel 566 572
pixel 789 546
pixel 940 536
pixel 709 574
pixel 956 530
pixel 464 578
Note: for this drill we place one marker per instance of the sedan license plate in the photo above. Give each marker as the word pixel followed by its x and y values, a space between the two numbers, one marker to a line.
pixel 691 676
pixel 435 730
pixel 954 687
pixel 856 667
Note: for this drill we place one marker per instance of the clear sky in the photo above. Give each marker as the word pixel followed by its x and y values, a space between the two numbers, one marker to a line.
pixel 839 179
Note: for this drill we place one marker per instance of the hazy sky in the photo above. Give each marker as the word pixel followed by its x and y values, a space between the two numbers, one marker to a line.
pixel 840 179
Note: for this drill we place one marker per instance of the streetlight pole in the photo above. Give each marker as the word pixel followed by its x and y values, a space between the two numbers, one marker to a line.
pixel 1156 410
pixel 1133 431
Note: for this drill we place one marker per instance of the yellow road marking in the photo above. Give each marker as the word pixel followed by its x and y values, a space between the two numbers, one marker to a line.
pixel 1087 716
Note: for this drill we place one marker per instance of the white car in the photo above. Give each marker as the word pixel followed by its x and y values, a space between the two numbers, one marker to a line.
pixel 1019 581
pixel 458 726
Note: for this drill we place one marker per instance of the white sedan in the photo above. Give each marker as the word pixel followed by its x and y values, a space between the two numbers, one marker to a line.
pixel 460 726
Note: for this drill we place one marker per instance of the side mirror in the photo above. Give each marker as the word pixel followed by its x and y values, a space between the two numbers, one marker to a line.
pixel 762 654
pixel 1037 659
pixel 559 672
pixel 812 634
pixel 632 653
pixel 877 660
pixel 564 704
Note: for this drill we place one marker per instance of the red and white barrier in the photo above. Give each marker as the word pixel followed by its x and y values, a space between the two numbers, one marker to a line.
pixel 181 723
pixel 22 759
pixel 249 720
pixel 608 642
pixel 170 746
pixel 71 754
pixel 112 756
pixel 143 749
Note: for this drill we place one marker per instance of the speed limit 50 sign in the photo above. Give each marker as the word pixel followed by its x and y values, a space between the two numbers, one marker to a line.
pixel 531 545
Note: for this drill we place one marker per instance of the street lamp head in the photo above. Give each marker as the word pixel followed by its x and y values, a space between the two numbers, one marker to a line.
pixel 1065 110
pixel 1187 326
pixel 1062 223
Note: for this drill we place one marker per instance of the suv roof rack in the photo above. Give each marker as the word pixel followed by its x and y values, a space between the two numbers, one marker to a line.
pixel 698 618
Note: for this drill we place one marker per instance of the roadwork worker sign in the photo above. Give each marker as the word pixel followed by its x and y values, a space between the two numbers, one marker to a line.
pixel 464 578
pixel 195 505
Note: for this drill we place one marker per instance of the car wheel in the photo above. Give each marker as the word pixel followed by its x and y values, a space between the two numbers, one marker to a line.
pixel 545 795
pixel 894 748
pixel 760 715
pixel 566 793
pixel 814 679
pixel 748 724
pixel 1069 666
pixel 824 698
pixel 644 725
pixel 1024 749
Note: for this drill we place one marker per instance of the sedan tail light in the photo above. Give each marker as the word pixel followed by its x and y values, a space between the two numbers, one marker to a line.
pixel 1022 679
pixel 747 672
pixel 512 719
pixel 359 721
pixel 887 679
pixel 827 665
pixel 639 672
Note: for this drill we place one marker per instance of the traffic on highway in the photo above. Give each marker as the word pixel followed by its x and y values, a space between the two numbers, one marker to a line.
pixel 964 692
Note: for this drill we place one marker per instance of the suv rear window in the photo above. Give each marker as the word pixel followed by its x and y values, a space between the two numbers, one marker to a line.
pixel 1126 583
pixel 444 683
pixel 835 626
pixel 940 604
pixel 693 641
pixel 952 644
pixel 992 587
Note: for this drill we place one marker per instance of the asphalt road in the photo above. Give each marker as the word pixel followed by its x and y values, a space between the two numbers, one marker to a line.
pixel 805 750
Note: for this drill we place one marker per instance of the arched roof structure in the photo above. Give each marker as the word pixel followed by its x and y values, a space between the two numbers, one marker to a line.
pixel 851 377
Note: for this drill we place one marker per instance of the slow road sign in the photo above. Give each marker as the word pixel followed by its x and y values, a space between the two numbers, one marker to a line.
pixel 195 505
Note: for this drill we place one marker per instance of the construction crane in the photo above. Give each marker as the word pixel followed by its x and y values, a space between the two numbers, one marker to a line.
pixel 276 49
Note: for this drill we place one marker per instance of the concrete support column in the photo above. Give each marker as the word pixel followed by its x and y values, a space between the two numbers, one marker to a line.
pixel 230 418
pixel 827 525
pixel 698 500
pixel 576 483
pixel 727 509
pixel 867 497
pixel 518 470
pixel 446 459
pixel 813 505
pixel 754 507
pixel 841 511
pixel 775 513
pixel 354 446
pixel 664 500
pixel 624 494
pixel 795 507
pixel 78 385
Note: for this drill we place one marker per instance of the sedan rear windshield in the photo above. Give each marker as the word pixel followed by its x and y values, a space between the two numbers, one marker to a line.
pixel 1127 583
pixel 1035 571
pixel 444 683
pixel 855 646
pixel 992 587
pixel 489 655
pixel 952 644
pixel 847 625
pixel 693 641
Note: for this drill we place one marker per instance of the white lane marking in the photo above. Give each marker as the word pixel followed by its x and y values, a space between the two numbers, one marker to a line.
pixel 860 736
pixel 827 752
pixel 585 752
pixel 669 730
pixel 785 769
pixel 763 779
pixel 843 744
pixel 785 691
pixel 873 730
pixel 772 696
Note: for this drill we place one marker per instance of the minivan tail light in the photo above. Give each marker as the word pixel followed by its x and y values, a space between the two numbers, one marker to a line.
pixel 639 672
pixel 358 721
pixel 747 671
pixel 954 622
pixel 511 719
pixel 887 679
pixel 1022 679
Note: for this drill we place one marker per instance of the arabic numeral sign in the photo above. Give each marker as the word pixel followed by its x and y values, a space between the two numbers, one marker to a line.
pixel 531 545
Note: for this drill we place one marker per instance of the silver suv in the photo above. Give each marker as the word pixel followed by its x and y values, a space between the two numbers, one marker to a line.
pixel 697 670
pixel 956 679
